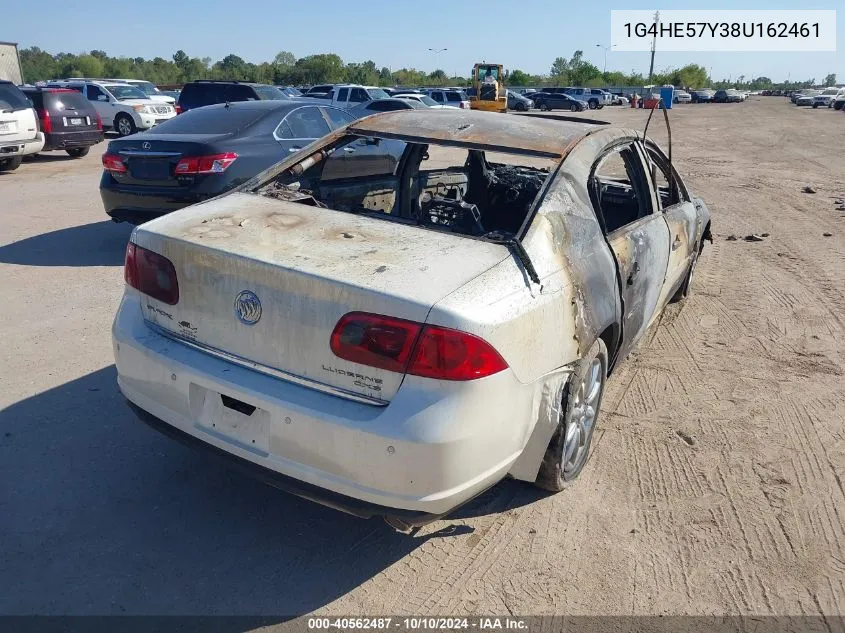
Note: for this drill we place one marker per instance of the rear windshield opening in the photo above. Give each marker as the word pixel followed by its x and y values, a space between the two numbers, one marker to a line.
pixel 465 191
pixel 455 96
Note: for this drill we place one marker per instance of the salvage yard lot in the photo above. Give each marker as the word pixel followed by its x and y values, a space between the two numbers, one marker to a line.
pixel 716 485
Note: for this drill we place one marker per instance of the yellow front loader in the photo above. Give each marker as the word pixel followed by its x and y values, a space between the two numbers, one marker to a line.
pixel 488 82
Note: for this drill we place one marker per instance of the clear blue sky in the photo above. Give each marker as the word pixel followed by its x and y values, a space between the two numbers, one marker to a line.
pixel 396 33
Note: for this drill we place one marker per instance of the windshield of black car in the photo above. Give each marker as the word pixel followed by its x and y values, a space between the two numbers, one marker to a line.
pixel 211 120
pixel 269 93
pixel 11 98
pixel 70 100
pixel 125 92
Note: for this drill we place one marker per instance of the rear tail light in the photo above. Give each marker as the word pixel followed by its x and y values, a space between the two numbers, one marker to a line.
pixel 151 274
pixel 45 121
pixel 178 108
pixel 114 163
pixel 99 121
pixel 413 348
pixel 214 164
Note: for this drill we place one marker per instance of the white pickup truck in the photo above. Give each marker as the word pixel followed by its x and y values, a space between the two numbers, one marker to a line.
pixel 350 95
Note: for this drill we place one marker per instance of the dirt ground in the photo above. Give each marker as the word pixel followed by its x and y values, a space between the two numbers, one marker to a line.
pixel 716 484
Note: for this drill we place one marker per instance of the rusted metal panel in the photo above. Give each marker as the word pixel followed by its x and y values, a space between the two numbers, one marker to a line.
pixel 477 130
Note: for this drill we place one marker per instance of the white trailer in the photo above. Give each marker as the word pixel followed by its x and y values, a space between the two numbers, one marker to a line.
pixel 10 63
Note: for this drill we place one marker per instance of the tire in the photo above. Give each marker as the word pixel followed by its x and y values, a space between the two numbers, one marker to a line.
pixel 545 108
pixel 686 288
pixel 77 152
pixel 577 422
pixel 837 105
pixel 815 105
pixel 521 107
pixel 599 106
pixel 593 105
pixel 11 164
pixel 124 125
pixel 574 108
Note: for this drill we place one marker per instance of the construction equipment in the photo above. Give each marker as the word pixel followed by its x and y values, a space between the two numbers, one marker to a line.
pixel 489 92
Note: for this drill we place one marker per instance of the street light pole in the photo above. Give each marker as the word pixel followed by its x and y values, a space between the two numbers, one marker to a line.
pixel 606 48
pixel 437 52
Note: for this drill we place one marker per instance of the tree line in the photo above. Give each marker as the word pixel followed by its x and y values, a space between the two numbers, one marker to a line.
pixel 287 69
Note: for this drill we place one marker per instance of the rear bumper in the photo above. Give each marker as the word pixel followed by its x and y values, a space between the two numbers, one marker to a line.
pixel 137 205
pixel 434 447
pixel 71 140
pixel 22 148
pixel 283 482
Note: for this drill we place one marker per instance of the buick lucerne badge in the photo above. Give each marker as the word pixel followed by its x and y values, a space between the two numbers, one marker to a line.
pixel 247 307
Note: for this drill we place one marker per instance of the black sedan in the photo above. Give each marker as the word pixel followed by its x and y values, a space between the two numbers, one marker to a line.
pixel 205 152
pixel 556 101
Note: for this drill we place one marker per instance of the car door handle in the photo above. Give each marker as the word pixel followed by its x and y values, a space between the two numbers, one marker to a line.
pixel 349 150
pixel 635 269
pixel 677 243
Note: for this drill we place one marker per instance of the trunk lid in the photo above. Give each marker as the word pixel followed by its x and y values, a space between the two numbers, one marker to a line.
pixel 151 159
pixel 308 267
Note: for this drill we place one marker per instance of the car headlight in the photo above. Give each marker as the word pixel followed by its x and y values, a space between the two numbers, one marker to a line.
pixel 140 108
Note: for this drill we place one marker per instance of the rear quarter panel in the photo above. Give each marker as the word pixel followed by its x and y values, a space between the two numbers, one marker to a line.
pixel 542 330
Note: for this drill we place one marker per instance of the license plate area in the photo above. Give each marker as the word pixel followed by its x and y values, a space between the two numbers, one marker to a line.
pixel 7 126
pixel 74 121
pixel 237 422
pixel 150 169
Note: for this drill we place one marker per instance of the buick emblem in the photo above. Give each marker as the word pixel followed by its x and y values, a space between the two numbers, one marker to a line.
pixel 247 307
pixel 146 145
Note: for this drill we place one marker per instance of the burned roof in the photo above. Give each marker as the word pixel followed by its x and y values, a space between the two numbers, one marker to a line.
pixel 519 134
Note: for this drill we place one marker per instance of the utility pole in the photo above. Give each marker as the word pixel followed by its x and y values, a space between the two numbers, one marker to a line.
pixel 653 45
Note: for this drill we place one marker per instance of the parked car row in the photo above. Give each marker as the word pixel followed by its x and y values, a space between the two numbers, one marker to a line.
pixel 41 119
pixel 829 97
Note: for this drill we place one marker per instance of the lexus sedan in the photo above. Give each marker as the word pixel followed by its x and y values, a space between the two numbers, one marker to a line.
pixel 392 337
pixel 205 152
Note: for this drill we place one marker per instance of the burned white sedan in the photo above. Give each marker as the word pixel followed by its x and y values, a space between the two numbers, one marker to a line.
pixel 410 309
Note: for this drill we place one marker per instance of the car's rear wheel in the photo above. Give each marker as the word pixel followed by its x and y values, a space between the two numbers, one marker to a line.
pixel 686 288
pixel 574 108
pixel 10 164
pixel 569 448
pixel 124 125
pixel 520 107
pixel 77 152
pixel 593 105
pixel 815 105
pixel 545 107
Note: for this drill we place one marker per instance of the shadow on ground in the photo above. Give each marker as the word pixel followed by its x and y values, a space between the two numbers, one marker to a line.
pixel 96 244
pixel 101 515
